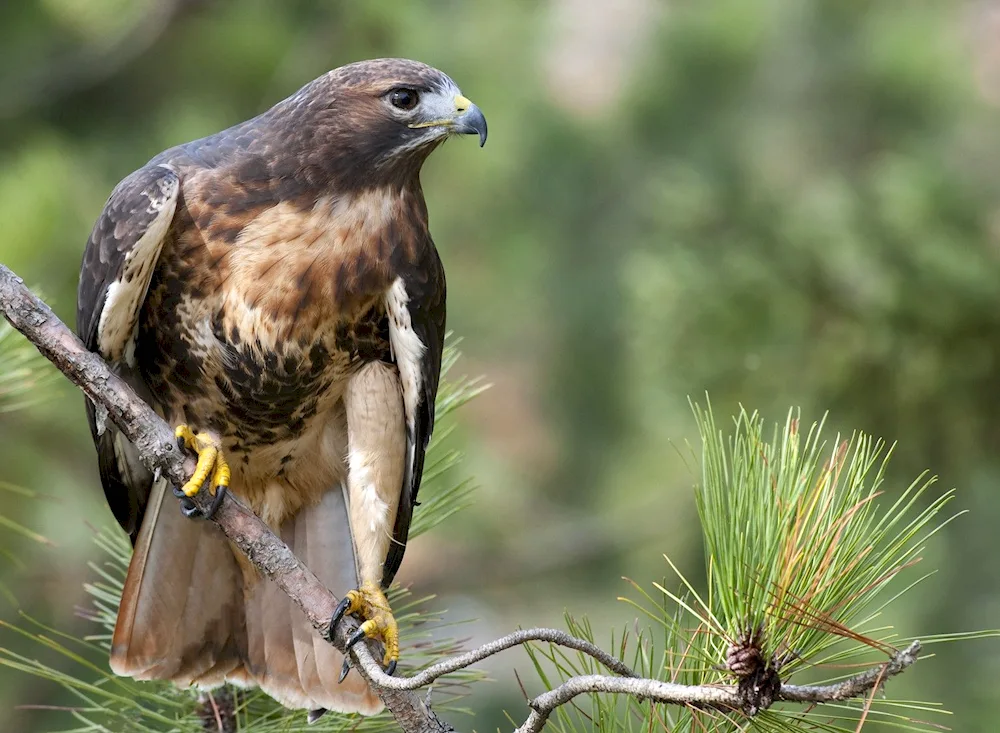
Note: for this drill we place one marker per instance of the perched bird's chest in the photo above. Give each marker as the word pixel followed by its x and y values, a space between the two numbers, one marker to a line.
pixel 253 330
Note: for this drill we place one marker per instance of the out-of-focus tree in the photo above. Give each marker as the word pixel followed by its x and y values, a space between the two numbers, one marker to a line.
pixel 783 203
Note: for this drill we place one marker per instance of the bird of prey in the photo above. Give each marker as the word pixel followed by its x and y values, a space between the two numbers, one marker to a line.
pixel 273 291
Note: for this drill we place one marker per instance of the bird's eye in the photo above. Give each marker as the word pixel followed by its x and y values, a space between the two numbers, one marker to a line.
pixel 404 98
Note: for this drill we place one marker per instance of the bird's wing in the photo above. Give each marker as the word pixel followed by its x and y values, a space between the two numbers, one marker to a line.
pixel 416 311
pixel 118 264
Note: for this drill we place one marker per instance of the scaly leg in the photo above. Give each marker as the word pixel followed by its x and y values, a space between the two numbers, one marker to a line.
pixel 376 433
pixel 210 462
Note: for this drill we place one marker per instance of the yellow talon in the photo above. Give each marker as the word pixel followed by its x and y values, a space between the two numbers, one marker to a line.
pixel 210 460
pixel 354 602
pixel 369 603
pixel 221 474
pixel 183 432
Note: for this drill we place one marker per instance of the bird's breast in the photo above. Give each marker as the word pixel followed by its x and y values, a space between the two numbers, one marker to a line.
pixel 255 335
pixel 304 264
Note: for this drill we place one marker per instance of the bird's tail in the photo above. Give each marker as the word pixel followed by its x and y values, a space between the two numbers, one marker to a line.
pixel 181 613
pixel 189 615
pixel 286 656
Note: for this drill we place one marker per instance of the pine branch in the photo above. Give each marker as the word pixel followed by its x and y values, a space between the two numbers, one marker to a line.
pixel 856 686
pixel 155 443
pixel 721 697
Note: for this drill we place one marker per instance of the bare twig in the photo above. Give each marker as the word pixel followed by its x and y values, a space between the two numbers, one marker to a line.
pixel 553 636
pixel 721 697
pixel 155 443
pixel 853 686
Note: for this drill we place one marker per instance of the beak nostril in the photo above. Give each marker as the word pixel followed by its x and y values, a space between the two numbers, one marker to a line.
pixel 462 104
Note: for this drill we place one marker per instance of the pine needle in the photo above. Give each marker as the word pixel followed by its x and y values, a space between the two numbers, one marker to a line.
pixel 803 555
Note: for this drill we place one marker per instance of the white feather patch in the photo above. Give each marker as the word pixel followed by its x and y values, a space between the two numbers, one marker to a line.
pixel 375 510
pixel 407 349
pixel 370 519
pixel 116 328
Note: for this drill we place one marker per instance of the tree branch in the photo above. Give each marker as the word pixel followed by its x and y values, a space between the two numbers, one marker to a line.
pixel 155 443
pixel 461 661
pixel 217 710
pixel 720 697
pixel 855 686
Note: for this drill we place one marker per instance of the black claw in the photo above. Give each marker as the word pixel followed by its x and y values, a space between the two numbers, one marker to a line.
pixel 391 668
pixel 344 669
pixel 220 494
pixel 181 444
pixel 189 509
pixel 338 614
pixel 355 638
pixel 315 715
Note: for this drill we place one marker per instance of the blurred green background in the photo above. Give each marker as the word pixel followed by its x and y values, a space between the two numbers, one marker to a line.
pixel 780 202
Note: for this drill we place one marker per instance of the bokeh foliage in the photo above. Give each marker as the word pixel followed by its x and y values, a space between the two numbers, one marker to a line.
pixel 782 203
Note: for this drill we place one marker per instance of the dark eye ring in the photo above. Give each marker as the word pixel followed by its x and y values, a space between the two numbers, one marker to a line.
pixel 405 99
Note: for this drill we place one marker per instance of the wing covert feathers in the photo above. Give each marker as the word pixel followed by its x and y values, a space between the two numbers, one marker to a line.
pixel 120 256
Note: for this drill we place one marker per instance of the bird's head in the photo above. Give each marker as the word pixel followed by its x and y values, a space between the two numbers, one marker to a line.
pixel 383 117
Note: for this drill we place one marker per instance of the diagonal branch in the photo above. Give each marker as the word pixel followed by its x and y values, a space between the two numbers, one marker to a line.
pixel 155 443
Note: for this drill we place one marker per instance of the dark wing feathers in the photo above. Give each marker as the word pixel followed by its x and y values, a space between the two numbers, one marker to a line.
pixel 426 290
pixel 132 208
pixel 117 266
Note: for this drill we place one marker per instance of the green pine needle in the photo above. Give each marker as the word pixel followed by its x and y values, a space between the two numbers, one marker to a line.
pixel 804 554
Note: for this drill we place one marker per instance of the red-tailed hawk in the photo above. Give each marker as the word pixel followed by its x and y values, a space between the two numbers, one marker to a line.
pixel 273 291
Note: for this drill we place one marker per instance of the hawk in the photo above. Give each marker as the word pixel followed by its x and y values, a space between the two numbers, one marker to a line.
pixel 273 291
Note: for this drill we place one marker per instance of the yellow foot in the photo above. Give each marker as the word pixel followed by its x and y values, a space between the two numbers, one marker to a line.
pixel 211 464
pixel 370 605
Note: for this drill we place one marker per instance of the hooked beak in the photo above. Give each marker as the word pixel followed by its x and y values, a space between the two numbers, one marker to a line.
pixel 470 120
pixel 466 120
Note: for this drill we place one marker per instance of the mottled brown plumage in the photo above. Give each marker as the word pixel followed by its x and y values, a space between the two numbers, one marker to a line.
pixel 275 286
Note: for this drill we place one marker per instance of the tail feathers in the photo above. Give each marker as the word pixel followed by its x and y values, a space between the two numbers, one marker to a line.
pixel 290 662
pixel 181 616
pixel 188 615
